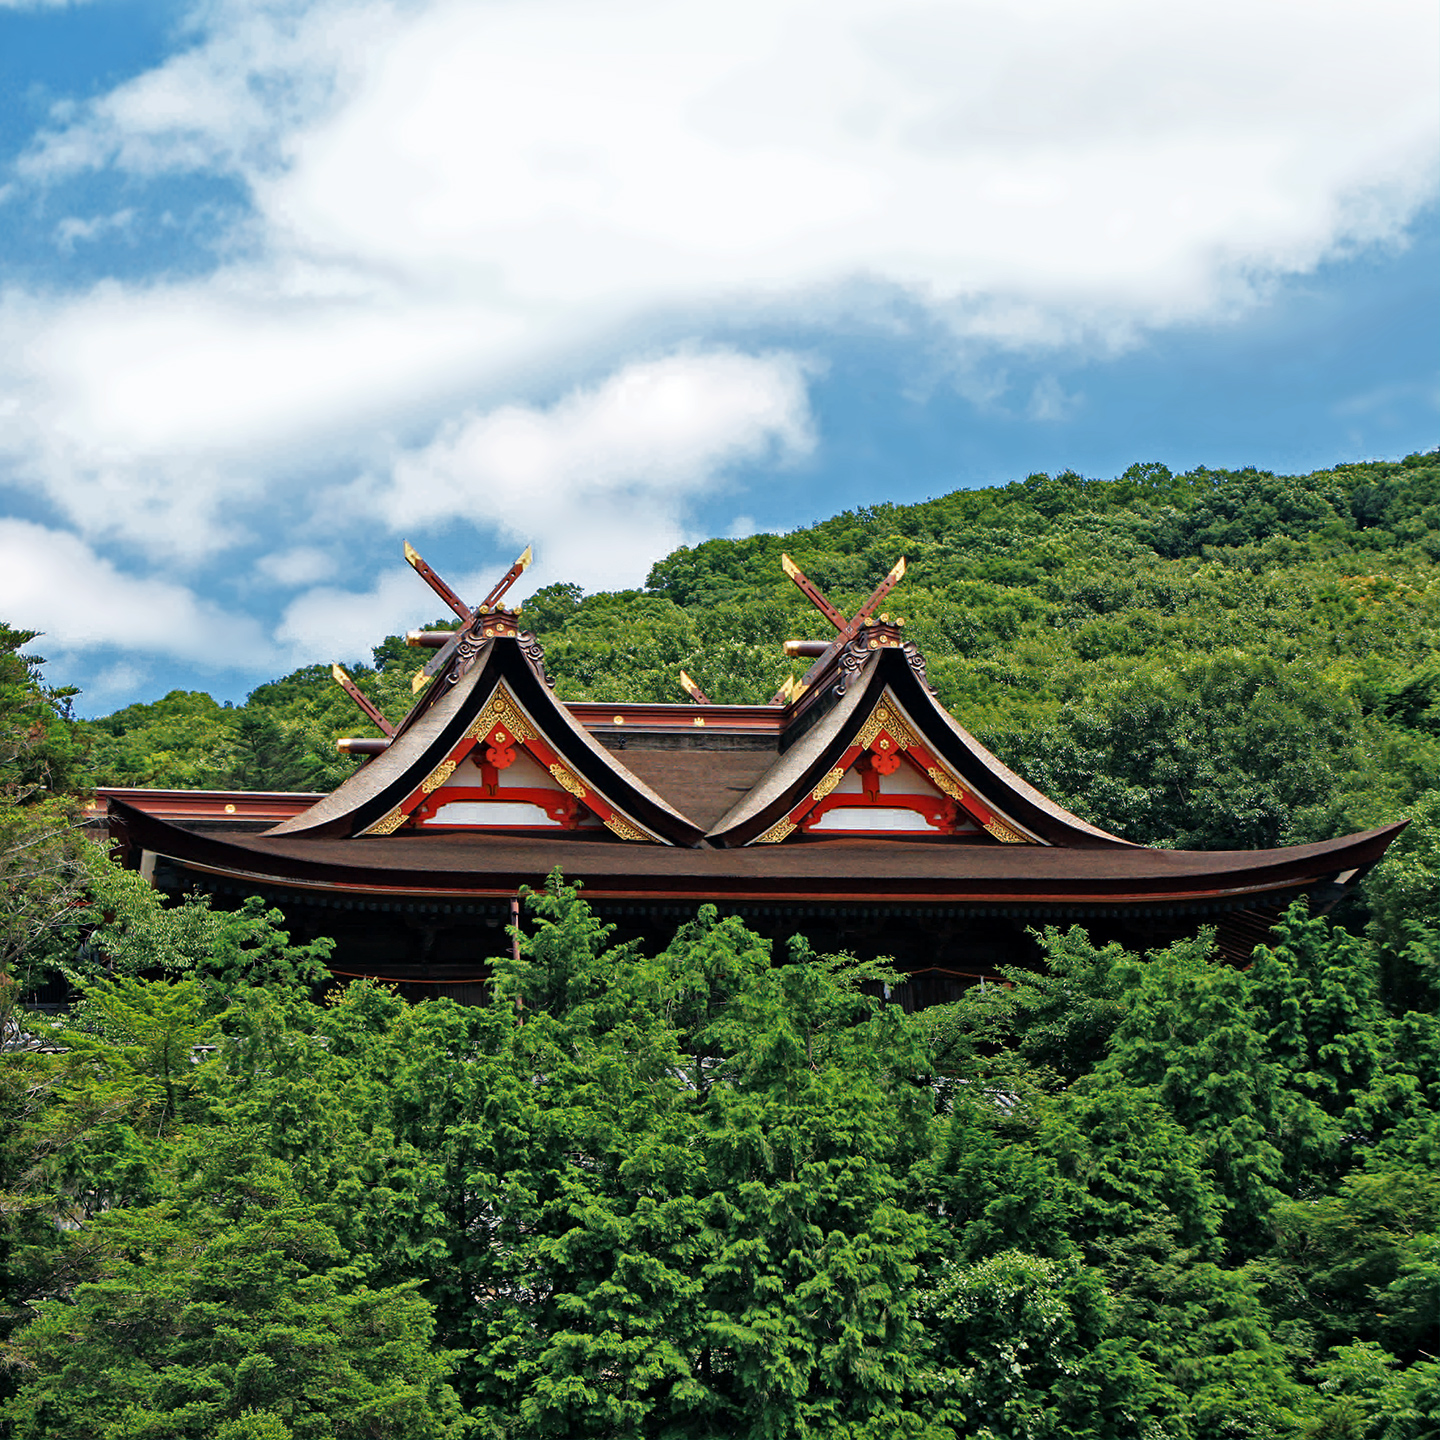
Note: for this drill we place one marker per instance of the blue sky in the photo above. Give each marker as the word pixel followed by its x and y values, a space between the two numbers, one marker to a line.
pixel 284 284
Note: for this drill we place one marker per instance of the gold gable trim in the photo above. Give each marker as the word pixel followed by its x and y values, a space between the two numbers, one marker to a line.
pixel 389 824
pixel 567 781
pixel 437 777
pixel 883 717
pixel 625 830
pixel 501 709
pixel 945 783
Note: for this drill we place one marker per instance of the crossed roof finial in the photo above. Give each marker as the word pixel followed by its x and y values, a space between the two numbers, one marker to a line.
pixel 466 614
pixel 849 628
pixel 442 637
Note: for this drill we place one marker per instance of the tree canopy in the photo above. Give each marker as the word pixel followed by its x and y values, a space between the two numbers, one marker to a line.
pixel 698 1192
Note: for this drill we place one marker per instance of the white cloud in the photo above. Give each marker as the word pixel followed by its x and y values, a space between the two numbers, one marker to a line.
pixel 330 624
pixel 453 205
pixel 115 685
pixel 222 103
pixel 1112 158
pixel 300 565
pixel 1384 397
pixel 55 583
pixel 1049 400
pixel 602 480
pixel 73 229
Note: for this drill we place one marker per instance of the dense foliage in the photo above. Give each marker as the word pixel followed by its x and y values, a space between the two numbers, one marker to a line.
pixel 41 851
pixel 697 1193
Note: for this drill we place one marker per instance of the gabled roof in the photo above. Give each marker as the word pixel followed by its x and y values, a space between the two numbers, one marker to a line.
pixel 491 680
pixel 860 792
pixel 880 704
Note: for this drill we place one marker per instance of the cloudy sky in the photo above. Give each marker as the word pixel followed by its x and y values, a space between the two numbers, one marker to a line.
pixel 285 284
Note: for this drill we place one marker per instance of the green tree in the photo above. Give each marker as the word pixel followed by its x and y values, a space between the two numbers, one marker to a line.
pixel 215 1309
pixel 1231 752
pixel 1028 1341
pixel 41 848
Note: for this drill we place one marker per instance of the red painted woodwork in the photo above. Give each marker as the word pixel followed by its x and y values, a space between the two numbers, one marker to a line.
pixel 562 807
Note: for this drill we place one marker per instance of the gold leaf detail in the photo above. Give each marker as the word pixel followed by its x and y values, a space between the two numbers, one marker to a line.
pixel 567 781
pixel 944 783
pixel 500 709
pixel 624 829
pixel 828 783
pixel 777 832
pixel 437 777
pixel 884 718
pixel 1005 834
pixel 390 824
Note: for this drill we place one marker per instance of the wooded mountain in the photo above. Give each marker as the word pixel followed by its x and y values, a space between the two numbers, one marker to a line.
pixel 705 1191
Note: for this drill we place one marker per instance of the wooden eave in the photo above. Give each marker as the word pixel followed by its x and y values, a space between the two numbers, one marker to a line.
pixel 219 807
pixel 615 722
pixel 998 879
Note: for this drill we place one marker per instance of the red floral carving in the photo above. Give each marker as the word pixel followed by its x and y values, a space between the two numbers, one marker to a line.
pixel 500 752
pixel 885 762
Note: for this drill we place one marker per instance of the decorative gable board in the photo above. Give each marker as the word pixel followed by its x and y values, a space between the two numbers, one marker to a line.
pixel 503 774
pixel 887 794
pixel 500 786
pixel 887 782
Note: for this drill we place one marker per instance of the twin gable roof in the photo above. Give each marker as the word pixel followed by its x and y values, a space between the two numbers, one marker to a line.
pixel 865 751
pixel 854 789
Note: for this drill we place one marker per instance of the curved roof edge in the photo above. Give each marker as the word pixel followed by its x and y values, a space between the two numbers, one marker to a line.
pixel 861 686
pixel 1129 878
pixel 985 770
pixel 431 733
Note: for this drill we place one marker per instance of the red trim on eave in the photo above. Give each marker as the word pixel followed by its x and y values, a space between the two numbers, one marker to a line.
pixel 273 805
pixel 842 895
pixel 763 719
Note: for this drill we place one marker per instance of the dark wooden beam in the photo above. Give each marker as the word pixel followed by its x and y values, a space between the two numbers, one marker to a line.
pixel 693 690
pixel 848 629
pixel 417 563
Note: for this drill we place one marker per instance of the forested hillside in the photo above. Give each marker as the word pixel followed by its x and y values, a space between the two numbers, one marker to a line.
pixel 700 1192
pixel 696 1193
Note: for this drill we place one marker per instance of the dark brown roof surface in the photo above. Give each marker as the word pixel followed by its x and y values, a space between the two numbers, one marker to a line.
pixel 701 784
pixel 855 870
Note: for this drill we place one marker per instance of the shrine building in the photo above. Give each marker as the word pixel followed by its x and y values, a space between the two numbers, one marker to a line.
pixel 852 809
